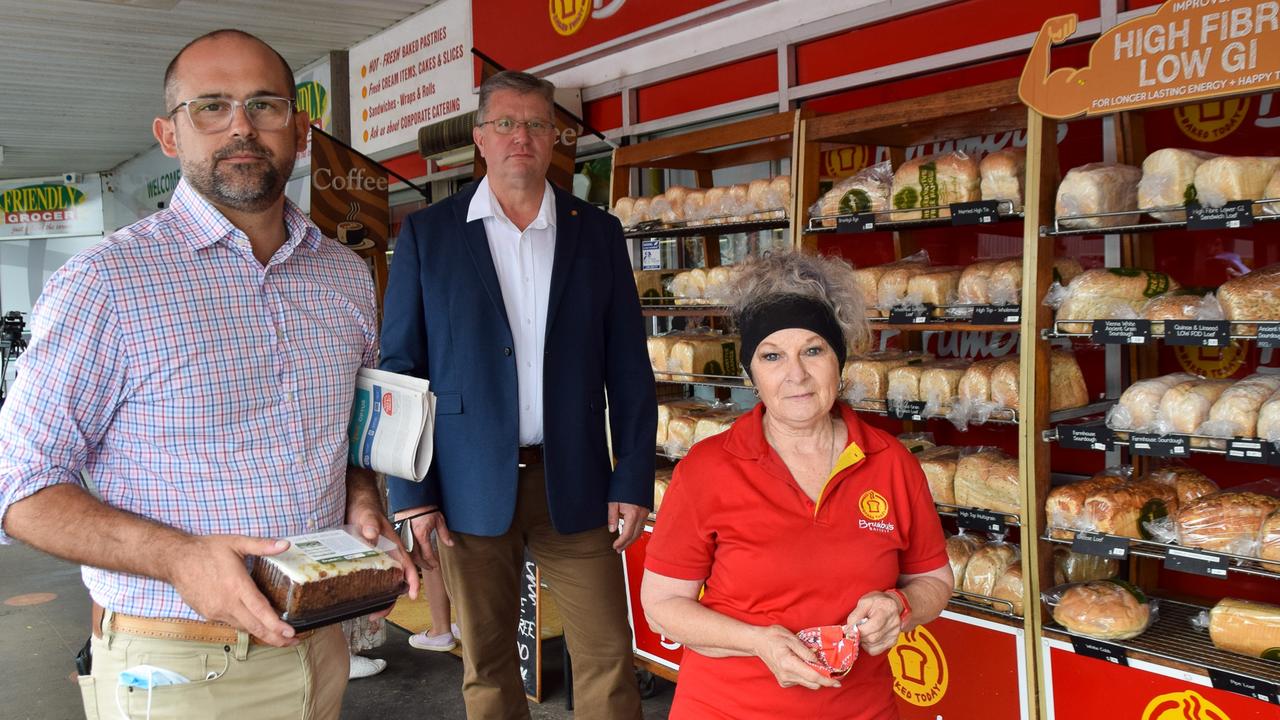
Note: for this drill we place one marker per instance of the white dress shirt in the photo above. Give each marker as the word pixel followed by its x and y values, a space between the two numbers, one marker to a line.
pixel 523 261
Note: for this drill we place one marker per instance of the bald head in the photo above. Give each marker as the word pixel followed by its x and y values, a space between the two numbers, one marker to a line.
pixel 171 72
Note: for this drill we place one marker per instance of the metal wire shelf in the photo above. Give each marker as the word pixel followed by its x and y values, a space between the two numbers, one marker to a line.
pixel 884 221
pixel 776 220
pixel 1239 330
pixel 1242 564
pixel 1057 230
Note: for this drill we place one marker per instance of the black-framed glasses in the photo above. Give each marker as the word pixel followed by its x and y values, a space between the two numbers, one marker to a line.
pixel 213 114
pixel 506 126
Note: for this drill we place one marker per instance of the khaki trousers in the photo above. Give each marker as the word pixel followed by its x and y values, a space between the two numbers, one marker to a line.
pixel 238 681
pixel 584 576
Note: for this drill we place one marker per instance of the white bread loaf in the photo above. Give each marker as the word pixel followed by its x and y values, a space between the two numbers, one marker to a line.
pixel 660 354
pixel 737 203
pixel 1228 521
pixel 1255 296
pixel 986 565
pixel 1269 542
pixel 1064 505
pixel 660 208
pixel 714 423
pixel 1235 413
pixel 779 195
pixel 668 411
pixel 1003 174
pixel 1140 402
pixel 709 355
pixel 713 203
pixel 1125 509
pixel 1272 191
pixel 960 549
pixel 988 479
pixel 720 281
pixel 661 481
pixel 974 286
pixel 676 196
pixel 938 382
pixel 695 206
pixel 680 435
pixel 933 181
pixel 1223 179
pixel 622 209
pixel 1188 483
pixel 1246 627
pixel 895 284
pixel 689 285
pixel 868 279
pixel 935 286
pixel 640 210
pixel 1005 282
pixel 1186 405
pixel 1105 609
pixel 939 466
pixel 1269 418
pixel 867 377
pixel 758 195
pixel 1098 188
pixel 1168 179
pixel 866 191
pixel 1009 588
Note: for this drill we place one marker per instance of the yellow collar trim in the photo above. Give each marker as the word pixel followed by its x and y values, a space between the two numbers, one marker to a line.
pixel 851 456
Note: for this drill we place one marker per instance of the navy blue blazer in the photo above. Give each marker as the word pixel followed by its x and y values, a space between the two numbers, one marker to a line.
pixel 445 320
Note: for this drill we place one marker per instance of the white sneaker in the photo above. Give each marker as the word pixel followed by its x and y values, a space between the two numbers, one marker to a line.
pixel 363 667
pixel 444 642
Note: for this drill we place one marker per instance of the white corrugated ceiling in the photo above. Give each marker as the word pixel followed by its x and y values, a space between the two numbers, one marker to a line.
pixel 80 80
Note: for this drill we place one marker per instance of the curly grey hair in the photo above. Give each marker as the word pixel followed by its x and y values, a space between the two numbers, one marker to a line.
pixel 760 281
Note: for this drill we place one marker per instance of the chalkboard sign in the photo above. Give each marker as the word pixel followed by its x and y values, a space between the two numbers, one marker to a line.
pixel 529 633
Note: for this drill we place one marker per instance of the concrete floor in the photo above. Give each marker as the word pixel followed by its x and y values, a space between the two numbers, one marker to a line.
pixel 41 640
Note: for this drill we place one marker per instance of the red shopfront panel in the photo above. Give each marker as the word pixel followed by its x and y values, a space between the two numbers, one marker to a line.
pixel 1082 687
pixel 960 667
pixel 708 88
pixel 603 114
pixel 645 642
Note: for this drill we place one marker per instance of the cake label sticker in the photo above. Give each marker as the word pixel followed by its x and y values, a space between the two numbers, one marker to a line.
pixel 1247 686
pixel 1099 650
pixel 332 546
pixel 982 212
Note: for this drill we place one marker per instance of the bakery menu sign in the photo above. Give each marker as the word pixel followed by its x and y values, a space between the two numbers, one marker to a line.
pixel 1188 50
pixel 416 73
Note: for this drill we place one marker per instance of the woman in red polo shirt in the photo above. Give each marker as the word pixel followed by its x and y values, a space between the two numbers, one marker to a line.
pixel 797 516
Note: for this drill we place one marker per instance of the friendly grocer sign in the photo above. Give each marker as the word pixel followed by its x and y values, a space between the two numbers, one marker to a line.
pixel 50 207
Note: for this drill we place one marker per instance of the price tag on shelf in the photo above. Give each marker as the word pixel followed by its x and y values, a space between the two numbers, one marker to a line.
pixel 1205 333
pixel 1161 446
pixel 1269 336
pixel 906 410
pixel 1087 436
pixel 1099 650
pixel 1121 332
pixel 1235 214
pixel 1251 687
pixel 997 314
pixel 650 254
pixel 981 521
pixel 982 212
pixel 1099 545
pixel 1252 450
pixel 855 223
pixel 1196 562
pixel 911 316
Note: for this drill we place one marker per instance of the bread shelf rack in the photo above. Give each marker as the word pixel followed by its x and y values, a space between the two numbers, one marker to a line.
pixel 1237 330
pixel 669 310
pixel 1241 564
pixel 985 604
pixel 687 229
pixel 1057 229
pixel 949 510
pixel 817 224
pixel 1232 448
pixel 722 381
pixel 1005 416
pixel 1172 637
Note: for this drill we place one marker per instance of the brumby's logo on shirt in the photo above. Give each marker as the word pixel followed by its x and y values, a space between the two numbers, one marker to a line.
pixel 874 509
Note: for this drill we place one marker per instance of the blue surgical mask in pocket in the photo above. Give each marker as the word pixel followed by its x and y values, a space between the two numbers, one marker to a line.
pixel 146 677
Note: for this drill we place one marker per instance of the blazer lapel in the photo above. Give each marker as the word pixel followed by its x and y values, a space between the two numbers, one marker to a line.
pixel 477 244
pixel 568 224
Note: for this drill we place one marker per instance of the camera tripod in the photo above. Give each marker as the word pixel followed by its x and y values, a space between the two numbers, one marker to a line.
pixel 11 348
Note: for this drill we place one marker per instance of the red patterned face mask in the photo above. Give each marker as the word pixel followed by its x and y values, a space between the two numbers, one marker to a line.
pixel 833 649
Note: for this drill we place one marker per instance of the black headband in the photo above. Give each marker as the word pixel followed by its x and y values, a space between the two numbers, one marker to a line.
pixel 787 312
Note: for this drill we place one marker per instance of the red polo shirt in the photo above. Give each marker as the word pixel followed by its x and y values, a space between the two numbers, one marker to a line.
pixel 735 518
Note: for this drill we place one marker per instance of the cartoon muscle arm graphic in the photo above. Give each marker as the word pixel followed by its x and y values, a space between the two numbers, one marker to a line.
pixel 1063 92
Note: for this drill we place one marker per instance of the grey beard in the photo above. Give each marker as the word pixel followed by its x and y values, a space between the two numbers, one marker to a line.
pixel 245 188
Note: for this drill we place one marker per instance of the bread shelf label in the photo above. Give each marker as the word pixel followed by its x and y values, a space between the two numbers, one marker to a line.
pixel 981 521
pixel 982 212
pixel 1252 450
pixel 1099 650
pixel 1247 686
pixel 1195 562
pixel 1205 333
pixel 1091 436
pixel 1121 332
pixel 1269 336
pixel 906 409
pixel 855 223
pixel 1162 446
pixel 650 254
pixel 997 314
pixel 917 315
pixel 1235 214
pixel 1099 545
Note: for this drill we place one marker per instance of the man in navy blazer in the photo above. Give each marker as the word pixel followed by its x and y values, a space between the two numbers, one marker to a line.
pixel 517 301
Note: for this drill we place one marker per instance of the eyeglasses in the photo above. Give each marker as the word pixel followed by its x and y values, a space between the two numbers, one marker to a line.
pixel 212 114
pixel 506 126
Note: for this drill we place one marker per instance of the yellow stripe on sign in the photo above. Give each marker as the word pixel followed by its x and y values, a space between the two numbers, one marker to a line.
pixel 852 455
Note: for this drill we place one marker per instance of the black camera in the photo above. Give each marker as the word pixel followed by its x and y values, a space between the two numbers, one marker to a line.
pixel 12 325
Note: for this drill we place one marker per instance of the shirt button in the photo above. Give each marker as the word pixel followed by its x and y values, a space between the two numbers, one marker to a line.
pixel 288 397
pixel 506 351
pixel 280 335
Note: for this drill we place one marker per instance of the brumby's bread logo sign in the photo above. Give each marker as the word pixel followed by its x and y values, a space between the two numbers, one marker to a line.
pixel 568 16
pixel 1185 705
pixel 1211 121
pixel 40 203
pixel 920 672
pixel 873 505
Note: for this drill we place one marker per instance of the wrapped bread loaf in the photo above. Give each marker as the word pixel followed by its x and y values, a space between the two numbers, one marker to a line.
pixel 1009 588
pixel 939 466
pixel 1185 406
pixel 1125 509
pixel 988 479
pixel 661 481
pixel 1272 191
pixel 960 549
pixel 975 384
pixel 1188 483
pixel 867 377
pixel 1066 383
pixel 1246 627
pixel 705 355
pixel 938 382
pixel 660 354
pixel 695 206
pixel 720 283
pixel 986 566
pixel 866 191
pixel 933 181
pixel 1235 413
pixel 1168 180
pixel 622 209
pixel 714 423
pixel 1110 293
pixel 1098 188
pixel 1178 305
pixel 1004 384
pixel 1255 296
pixel 689 285
pixel 1064 506
pixel 680 433
pixel 1223 179
pixel 1005 282
pixel 1104 609
pixel 1003 174
pixel 758 195
pixel 779 197
pixel 904 383
pixel 668 411
pixel 1140 402
pixel 654 285
pixel 713 203
pixel 974 286
pixel 1269 418
pixel 868 279
pixel 1074 567
pixel 916 443
pixel 673 210
pixel 737 203
pixel 1228 521
pixel 660 208
pixel 640 208
pixel 935 286
pixel 1269 542
pixel 895 284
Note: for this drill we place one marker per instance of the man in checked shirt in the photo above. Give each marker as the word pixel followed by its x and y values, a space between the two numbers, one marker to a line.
pixel 199 367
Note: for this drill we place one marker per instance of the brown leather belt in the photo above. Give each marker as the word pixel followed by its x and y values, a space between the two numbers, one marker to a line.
pixel 530 455
pixel 201 631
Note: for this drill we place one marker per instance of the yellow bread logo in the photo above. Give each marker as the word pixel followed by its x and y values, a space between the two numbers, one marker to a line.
pixel 29 198
pixel 1212 363
pixel 568 16
pixel 846 161
pixel 873 505
pixel 1211 121
pixel 920 673
pixel 313 98
pixel 1185 705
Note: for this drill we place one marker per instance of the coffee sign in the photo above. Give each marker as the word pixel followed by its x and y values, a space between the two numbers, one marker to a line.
pixel 1187 50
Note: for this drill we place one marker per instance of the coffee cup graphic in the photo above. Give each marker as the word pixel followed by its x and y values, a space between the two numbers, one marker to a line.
pixel 354 235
